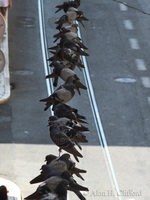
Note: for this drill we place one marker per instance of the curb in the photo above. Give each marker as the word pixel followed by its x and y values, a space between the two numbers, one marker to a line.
pixel 4 75
pixel 13 190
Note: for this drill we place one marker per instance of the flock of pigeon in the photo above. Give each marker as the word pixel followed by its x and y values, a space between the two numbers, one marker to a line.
pixel 65 126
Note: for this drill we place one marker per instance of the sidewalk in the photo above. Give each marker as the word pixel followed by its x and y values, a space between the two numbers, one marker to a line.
pixel 4 75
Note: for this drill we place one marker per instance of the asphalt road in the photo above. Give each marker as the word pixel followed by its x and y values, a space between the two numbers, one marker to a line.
pixel 118 41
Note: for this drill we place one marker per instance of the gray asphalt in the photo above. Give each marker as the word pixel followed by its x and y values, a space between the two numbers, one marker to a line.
pixel 123 106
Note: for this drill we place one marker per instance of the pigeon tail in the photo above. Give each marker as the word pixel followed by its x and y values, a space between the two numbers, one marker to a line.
pixel 52 75
pixel 55 81
pixel 32 196
pixel 74 151
pixel 37 179
pixel 79 195
pixel 59 26
pixel 77 170
pixel 79 176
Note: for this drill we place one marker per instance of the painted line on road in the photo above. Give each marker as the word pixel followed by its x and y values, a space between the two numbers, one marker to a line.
pixel 123 7
pixel 140 64
pixel 134 44
pixel 146 82
pixel 128 24
pixel 148 98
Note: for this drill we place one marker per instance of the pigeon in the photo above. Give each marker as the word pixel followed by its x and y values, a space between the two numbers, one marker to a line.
pixel 67 64
pixel 64 162
pixel 64 73
pixel 46 172
pixel 71 15
pixel 60 71
pixel 68 123
pixel 74 135
pixel 64 110
pixel 57 166
pixel 69 55
pixel 72 28
pixel 63 141
pixel 54 185
pixel 68 35
pixel 65 32
pixel 71 44
pixel 66 5
pixel 3 193
pixel 63 94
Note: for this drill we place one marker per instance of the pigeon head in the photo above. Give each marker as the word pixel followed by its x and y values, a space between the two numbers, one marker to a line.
pixel 49 158
pixel 69 81
pixel 53 118
pixel 67 174
pixel 46 168
pixel 65 156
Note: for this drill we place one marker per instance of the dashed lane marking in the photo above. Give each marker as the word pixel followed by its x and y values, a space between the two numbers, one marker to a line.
pixel 134 44
pixel 123 7
pixel 128 24
pixel 146 82
pixel 140 64
pixel 148 98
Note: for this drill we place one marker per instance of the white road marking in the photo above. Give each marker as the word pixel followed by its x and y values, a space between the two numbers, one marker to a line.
pixel 134 44
pixel 128 24
pixel 140 64
pixel 123 7
pixel 148 98
pixel 146 81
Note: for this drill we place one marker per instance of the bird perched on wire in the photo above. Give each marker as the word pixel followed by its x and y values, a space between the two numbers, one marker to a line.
pixel 64 110
pixel 69 55
pixel 65 34
pixel 55 186
pixel 59 164
pixel 74 134
pixel 63 94
pixel 73 28
pixel 64 73
pixel 70 32
pixel 53 183
pixel 66 122
pixel 63 141
pixel 67 64
pixel 71 44
pixel 71 15
pixel 66 5
pixel 63 163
